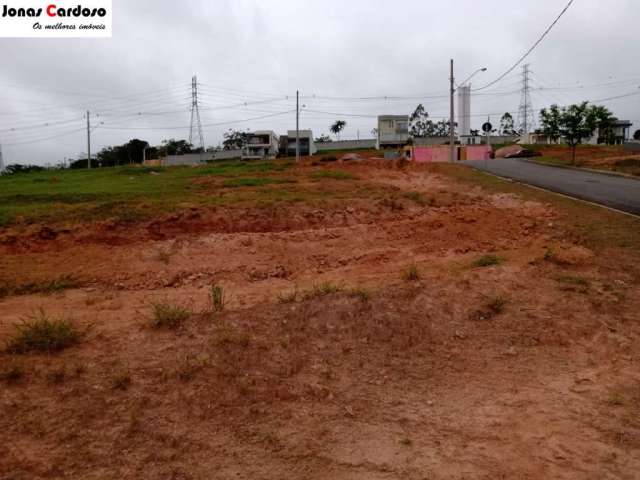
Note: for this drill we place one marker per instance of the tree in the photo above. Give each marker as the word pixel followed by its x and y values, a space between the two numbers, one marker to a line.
pixel 338 127
pixel 324 138
pixel 636 135
pixel 506 125
pixel 441 128
pixel 550 122
pixel 18 168
pixel 419 123
pixel 575 123
pixel 177 147
pixel 234 139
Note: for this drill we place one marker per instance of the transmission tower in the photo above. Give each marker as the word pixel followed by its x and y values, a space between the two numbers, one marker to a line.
pixel 526 117
pixel 195 118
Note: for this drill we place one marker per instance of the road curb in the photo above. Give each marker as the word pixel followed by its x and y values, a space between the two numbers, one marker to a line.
pixel 577 199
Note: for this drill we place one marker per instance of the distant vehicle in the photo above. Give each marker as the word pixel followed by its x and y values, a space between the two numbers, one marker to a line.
pixel 523 153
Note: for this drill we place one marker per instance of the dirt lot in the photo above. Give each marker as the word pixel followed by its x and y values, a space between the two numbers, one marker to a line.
pixel 395 323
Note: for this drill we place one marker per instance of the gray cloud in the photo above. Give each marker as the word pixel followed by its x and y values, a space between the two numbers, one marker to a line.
pixel 249 50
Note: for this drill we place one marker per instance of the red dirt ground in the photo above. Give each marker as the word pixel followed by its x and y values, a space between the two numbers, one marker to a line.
pixel 424 379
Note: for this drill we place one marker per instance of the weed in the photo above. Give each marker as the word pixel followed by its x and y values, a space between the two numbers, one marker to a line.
pixel 190 365
pixel 228 334
pixel 12 374
pixel 411 273
pixel 363 294
pixel 488 261
pixel 417 197
pixel 166 315
pixel 255 182
pixel 164 256
pixel 496 305
pixel 48 287
pixel 40 333
pixel 57 375
pixel 121 379
pixel 288 297
pixel 616 399
pixel 217 298
pixel 322 289
pixel 573 280
pixel 333 174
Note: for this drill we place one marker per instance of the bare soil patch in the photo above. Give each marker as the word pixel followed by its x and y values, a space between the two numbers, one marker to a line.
pixel 326 359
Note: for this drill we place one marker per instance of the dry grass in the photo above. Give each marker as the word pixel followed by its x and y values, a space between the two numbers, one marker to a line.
pixel 165 315
pixel 411 273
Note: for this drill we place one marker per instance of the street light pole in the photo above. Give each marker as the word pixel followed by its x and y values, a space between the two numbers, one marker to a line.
pixel 452 137
pixel 452 144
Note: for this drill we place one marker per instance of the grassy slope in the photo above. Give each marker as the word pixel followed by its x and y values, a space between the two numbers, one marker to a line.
pixel 127 193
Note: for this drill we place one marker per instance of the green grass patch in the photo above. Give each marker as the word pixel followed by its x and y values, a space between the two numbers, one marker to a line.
pixel 333 175
pixel 124 193
pixel 41 333
pixel 255 182
pixel 47 287
pixel 488 261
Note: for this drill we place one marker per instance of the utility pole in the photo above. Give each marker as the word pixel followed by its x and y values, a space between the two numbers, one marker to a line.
pixel 452 140
pixel 297 126
pixel 88 141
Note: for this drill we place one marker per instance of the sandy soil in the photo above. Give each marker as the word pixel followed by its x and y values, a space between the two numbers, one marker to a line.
pixel 424 379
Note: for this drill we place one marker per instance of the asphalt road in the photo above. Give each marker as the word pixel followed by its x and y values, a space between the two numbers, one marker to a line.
pixel 613 191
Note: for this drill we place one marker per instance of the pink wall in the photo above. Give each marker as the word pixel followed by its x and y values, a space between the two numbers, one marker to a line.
pixel 478 152
pixel 431 154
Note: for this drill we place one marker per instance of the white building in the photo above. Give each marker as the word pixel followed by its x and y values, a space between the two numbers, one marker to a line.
pixel 464 110
pixel 307 145
pixel 393 131
pixel 261 144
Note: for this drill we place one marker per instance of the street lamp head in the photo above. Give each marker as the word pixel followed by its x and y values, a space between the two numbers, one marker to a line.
pixel 483 69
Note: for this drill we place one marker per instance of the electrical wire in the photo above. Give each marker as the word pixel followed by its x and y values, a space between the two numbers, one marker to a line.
pixel 526 54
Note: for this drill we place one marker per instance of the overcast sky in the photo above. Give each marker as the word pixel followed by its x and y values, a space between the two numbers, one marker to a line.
pixel 137 83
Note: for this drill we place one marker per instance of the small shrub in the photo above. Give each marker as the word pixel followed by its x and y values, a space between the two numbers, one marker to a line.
pixel 164 256
pixel 616 399
pixel 40 333
pixel 121 379
pixel 411 273
pixel 323 289
pixel 407 442
pixel 417 197
pixel 573 280
pixel 333 174
pixel 57 375
pixel 288 297
pixel 496 305
pixel 166 315
pixel 488 261
pixel 361 293
pixel 12 373
pixel 217 298
pixel 228 334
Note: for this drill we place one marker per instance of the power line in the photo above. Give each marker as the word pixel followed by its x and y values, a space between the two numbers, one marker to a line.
pixel 526 54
